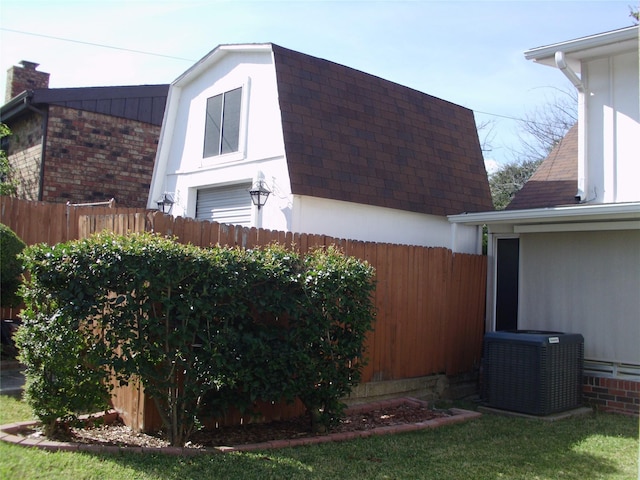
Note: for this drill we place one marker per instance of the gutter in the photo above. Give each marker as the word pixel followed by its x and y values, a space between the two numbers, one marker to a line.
pixel 15 106
pixel 584 43
pixel 608 211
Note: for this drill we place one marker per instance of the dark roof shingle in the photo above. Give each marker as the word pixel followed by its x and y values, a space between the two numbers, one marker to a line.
pixel 555 182
pixel 355 137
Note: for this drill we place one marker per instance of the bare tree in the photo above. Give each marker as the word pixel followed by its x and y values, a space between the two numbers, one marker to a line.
pixel 486 134
pixel 545 126
pixel 540 131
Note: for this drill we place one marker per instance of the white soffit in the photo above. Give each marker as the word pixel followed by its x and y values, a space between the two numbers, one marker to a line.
pixel 593 46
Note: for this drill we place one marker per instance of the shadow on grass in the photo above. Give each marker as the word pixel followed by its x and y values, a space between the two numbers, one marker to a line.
pixel 598 446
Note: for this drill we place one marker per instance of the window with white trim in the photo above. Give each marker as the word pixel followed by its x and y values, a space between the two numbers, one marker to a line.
pixel 222 126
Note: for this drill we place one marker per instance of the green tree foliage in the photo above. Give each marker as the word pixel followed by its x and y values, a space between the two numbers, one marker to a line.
pixel 7 185
pixel 508 179
pixel 10 266
pixel 204 329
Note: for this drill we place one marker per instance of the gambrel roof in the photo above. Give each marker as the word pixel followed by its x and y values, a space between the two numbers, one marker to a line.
pixel 355 137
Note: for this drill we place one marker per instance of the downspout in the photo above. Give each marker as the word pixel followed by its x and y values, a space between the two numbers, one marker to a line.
pixel 561 63
pixel 43 148
pixel 568 72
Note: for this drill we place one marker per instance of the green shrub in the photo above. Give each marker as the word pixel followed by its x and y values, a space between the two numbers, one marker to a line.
pixel 332 329
pixel 63 371
pixel 10 266
pixel 204 329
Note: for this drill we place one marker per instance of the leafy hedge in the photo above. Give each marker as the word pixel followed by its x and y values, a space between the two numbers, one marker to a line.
pixel 205 329
pixel 10 266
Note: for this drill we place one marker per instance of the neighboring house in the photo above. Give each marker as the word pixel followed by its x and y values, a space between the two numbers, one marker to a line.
pixel 565 255
pixel 342 153
pixel 81 145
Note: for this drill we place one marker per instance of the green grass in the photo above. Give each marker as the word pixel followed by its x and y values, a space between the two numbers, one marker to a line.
pixel 600 446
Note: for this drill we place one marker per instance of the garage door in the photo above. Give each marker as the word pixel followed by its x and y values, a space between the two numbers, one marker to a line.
pixel 228 204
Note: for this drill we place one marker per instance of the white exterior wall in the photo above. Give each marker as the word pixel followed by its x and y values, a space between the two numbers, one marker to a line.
pixel 261 151
pixel 386 225
pixel 584 282
pixel 611 170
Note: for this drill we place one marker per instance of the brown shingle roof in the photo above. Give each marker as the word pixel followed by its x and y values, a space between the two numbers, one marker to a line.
pixel 555 182
pixel 355 137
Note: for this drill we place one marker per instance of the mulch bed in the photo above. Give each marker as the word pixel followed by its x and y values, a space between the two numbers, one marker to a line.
pixel 358 419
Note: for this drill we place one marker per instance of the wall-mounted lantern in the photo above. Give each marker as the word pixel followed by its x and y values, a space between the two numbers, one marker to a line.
pixel 259 193
pixel 165 203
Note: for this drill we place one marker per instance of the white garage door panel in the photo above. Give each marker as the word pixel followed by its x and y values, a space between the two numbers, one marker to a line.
pixel 229 204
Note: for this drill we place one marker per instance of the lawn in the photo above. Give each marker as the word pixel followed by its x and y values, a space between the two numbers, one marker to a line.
pixel 599 446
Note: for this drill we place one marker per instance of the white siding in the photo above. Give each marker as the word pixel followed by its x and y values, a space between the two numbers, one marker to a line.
pixel 612 115
pixel 180 165
pixel 588 283
pixel 376 224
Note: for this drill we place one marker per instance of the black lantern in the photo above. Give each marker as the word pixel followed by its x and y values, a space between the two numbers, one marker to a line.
pixel 259 194
pixel 165 204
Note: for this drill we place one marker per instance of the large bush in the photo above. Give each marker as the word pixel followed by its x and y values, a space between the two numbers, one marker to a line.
pixel 10 280
pixel 204 329
pixel 10 266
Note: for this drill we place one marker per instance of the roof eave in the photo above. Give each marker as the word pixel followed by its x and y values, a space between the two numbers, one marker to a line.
pixel 16 106
pixel 577 213
pixel 616 40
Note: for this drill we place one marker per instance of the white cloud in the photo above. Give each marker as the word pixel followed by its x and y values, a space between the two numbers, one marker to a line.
pixel 491 165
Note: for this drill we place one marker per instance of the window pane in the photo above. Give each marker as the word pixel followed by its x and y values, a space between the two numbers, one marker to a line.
pixel 231 121
pixel 212 126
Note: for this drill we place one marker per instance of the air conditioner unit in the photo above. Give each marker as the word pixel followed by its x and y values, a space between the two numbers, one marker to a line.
pixel 533 372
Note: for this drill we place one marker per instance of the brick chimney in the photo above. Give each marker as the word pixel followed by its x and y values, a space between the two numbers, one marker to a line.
pixel 24 78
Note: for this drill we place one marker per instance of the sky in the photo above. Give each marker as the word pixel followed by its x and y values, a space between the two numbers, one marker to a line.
pixel 467 52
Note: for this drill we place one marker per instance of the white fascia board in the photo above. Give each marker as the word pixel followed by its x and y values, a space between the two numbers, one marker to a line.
pixel 214 56
pixel 164 143
pixel 600 44
pixel 578 213
pixel 578 227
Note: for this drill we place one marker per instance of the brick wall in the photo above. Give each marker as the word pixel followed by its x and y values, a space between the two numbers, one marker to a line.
pixel 612 394
pixel 93 157
pixel 24 151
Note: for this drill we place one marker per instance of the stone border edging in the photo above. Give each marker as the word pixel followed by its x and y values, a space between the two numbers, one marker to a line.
pixel 8 433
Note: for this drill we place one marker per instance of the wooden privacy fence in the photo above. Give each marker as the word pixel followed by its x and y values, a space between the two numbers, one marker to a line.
pixel 430 301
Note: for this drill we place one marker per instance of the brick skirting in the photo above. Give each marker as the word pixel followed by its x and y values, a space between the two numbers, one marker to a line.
pixel 612 394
